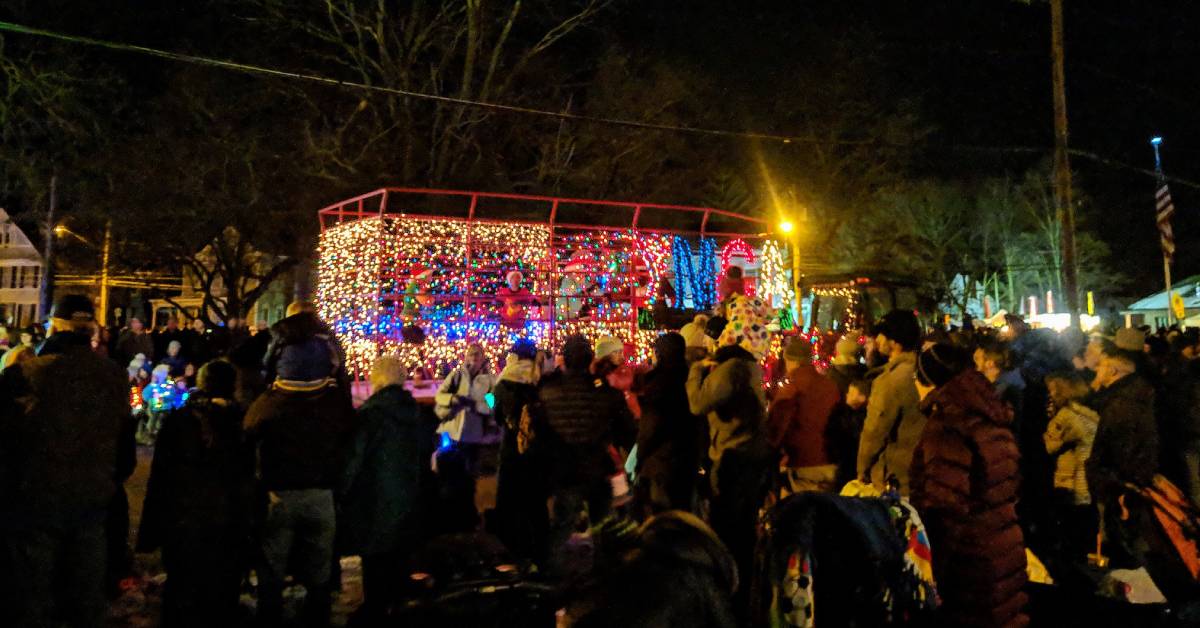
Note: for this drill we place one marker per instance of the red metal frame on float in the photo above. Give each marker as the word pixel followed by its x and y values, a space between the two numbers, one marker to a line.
pixel 372 244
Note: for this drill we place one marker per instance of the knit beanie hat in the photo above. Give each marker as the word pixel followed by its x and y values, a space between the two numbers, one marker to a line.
pixel 609 345
pixel 577 353
pixel 524 349
pixel 693 332
pixel 939 364
pixel 900 326
pixel 847 351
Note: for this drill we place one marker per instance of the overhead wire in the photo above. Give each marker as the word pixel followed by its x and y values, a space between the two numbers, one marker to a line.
pixel 247 68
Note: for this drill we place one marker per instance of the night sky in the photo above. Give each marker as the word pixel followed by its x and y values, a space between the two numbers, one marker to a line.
pixel 979 71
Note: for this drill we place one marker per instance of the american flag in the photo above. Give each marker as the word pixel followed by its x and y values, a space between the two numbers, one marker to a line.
pixel 1165 208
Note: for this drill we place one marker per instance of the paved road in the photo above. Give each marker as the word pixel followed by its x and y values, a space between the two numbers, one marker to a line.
pixel 139 606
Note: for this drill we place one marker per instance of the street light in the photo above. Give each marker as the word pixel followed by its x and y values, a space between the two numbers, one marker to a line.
pixel 788 228
pixel 62 230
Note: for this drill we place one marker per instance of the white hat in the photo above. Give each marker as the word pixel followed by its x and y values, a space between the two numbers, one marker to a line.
pixel 693 333
pixel 609 345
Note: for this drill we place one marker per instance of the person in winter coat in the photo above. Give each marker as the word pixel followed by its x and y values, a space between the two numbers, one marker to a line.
pixel 165 336
pixel 992 361
pixel 845 367
pixel 678 574
pixel 304 329
pixel 699 345
pixel 894 422
pixel 197 505
pixel 728 390
pixel 381 507
pixel 965 485
pixel 160 396
pixel 582 419
pixel 195 343
pixel 134 340
pixel 798 422
pixel 845 431
pixel 461 404
pixel 175 363
pixel 611 366
pixel 521 520
pixel 299 430
pixel 1125 449
pixel 1069 439
pixel 61 418
pixel 668 459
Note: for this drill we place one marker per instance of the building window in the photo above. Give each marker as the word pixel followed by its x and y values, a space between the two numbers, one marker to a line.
pixel 12 276
pixel 21 276
pixel 37 277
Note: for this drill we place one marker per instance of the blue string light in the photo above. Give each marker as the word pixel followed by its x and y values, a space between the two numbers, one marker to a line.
pixel 685 279
pixel 706 292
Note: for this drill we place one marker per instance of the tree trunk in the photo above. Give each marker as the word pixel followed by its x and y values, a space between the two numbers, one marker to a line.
pixel 46 298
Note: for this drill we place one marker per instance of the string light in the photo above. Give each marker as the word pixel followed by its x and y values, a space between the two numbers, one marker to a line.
pixel 377 275
pixel 773 283
pixel 736 247
pixel 706 296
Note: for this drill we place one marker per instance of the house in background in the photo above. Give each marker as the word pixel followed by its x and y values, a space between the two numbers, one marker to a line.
pixel 21 270
pixel 270 307
pixel 1152 310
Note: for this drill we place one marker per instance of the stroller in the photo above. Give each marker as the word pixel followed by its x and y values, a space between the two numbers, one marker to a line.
pixel 1169 526
pixel 470 580
pixel 851 561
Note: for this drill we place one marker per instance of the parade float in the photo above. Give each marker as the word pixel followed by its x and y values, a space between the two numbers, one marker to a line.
pixel 465 267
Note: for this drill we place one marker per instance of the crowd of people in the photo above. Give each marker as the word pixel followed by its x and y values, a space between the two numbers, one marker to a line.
pixel 1002 441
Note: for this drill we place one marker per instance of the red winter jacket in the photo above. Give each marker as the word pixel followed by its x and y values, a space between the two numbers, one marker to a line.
pixel 964 483
pixel 799 416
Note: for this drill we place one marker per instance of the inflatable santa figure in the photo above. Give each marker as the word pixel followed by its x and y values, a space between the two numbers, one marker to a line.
pixel 513 300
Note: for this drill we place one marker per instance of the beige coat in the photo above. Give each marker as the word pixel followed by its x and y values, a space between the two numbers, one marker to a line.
pixel 893 425
pixel 1069 438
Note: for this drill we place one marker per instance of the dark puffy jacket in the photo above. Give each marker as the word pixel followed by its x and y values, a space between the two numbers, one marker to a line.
pixel 300 436
pixel 583 416
pixel 319 355
pixel 61 415
pixel 1126 444
pixel 130 344
pixel 384 483
pixel 964 479
pixel 201 472
pixel 669 435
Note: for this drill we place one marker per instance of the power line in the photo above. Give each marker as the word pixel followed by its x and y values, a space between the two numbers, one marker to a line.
pixel 464 102
pixel 561 115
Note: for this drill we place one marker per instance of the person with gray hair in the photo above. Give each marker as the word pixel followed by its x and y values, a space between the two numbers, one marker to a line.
pixel 380 508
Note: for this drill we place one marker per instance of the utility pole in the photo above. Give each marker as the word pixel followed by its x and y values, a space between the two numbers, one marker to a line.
pixel 45 300
pixel 1064 208
pixel 103 318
